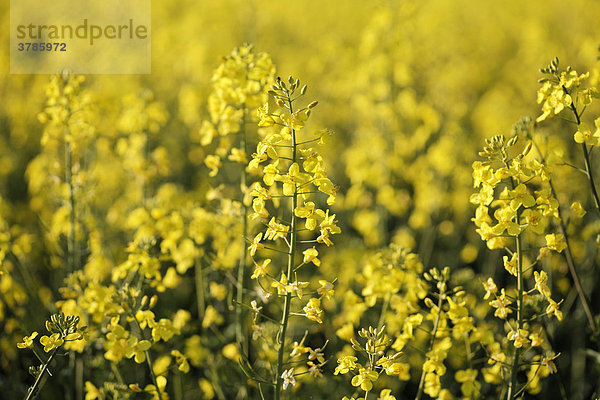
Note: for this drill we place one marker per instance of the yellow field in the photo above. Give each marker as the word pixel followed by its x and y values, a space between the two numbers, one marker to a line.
pixel 310 200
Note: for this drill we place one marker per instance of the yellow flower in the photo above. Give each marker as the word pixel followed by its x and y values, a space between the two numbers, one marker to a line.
pixel 556 242
pixel 238 155
pixel 578 209
pixel 386 394
pixel 231 352
pixel 519 337
pixel 520 197
pixel 583 134
pixel 288 378
pixel 92 392
pixel 365 379
pixel 540 283
pixel 326 289
pixel 281 286
pixel 548 361
pixel 265 118
pixel 297 287
pixel 271 173
pixel 145 318
pixel 211 316
pixel 511 265
pixel 490 288
pixel 276 230
pixel 505 217
pixel 552 309
pixel 138 349
pixel 307 211
pixel 501 305
pixel 293 179
pixel 295 120
pixel 214 163
pixel 27 341
pixel 313 310
pixel 162 384
pixel 164 330
pixel 534 219
pixel 536 339
pixel 52 342
pixel 256 245
pixel 469 384
pixel 218 291
pixel 310 255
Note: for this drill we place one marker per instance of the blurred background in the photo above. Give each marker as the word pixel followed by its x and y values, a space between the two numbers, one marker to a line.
pixel 411 90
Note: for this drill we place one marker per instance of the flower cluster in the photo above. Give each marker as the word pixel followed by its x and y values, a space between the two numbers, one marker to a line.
pixel 504 181
pixel 294 172
pixel 375 346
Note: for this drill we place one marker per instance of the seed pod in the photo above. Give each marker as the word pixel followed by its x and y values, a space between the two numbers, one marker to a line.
pixel 526 149
pixel 153 301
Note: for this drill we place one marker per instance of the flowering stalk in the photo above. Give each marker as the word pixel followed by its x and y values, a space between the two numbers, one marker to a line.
pixel 512 387
pixel 567 252
pixel 586 156
pixel 441 296
pixel 240 85
pixel 69 181
pixel 241 278
pixel 290 265
pixel 561 90
pixel 32 393
pixel 518 211
pixel 148 358
pixel 62 329
pixel 305 175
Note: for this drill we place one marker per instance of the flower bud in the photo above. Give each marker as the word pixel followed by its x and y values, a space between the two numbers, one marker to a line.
pixel 153 301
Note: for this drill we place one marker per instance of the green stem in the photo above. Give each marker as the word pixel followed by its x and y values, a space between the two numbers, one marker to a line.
pixel 290 267
pixel 588 169
pixel 152 375
pixel 69 181
pixel 512 388
pixel 586 157
pixel 567 252
pixel 384 308
pixel 148 358
pixel 442 292
pixel 199 281
pixel 240 311
pixel 178 386
pixel 115 369
pixel 37 385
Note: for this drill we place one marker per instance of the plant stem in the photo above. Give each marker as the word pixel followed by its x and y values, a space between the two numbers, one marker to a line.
pixel 37 385
pixel 69 182
pixel 240 311
pixel 149 361
pixel 586 157
pixel 512 388
pixel 567 252
pixel 290 267
pixel 442 292
pixel 148 358
pixel 199 281
pixel 384 308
